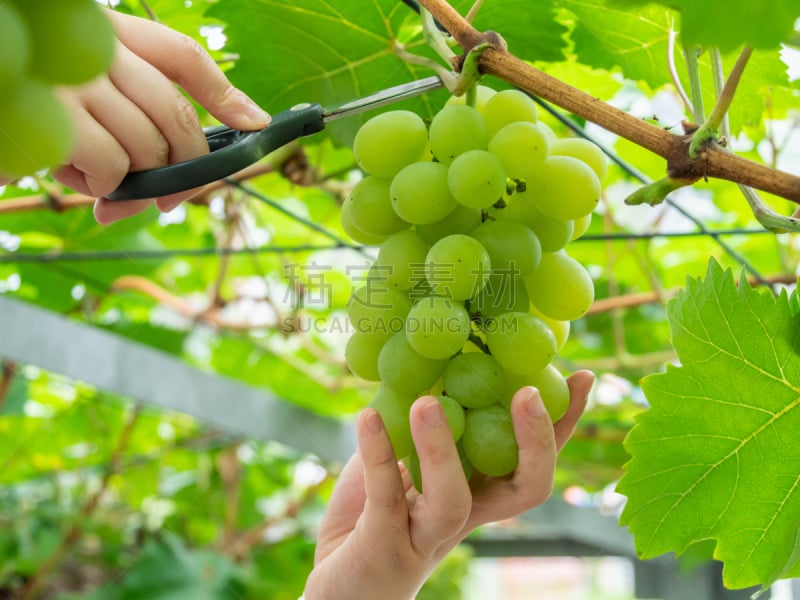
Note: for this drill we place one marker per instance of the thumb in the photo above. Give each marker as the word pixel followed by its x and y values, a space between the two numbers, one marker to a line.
pixel 184 61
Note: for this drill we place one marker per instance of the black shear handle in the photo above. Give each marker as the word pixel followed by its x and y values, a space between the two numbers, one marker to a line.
pixel 231 151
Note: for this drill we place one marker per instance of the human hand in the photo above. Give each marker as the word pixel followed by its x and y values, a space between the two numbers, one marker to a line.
pixel 380 538
pixel 134 118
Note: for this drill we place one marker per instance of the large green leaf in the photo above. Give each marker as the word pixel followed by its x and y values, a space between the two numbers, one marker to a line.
pixel 610 37
pixel 317 51
pixel 717 455
pixel 728 24
pixel 314 51
pixel 167 569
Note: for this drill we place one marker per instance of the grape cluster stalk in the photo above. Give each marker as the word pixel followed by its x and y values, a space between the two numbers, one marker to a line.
pixel 472 293
pixel 44 43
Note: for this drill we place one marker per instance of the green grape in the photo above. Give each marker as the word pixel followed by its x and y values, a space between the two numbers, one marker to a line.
pixel 394 408
pixel 461 220
pixel 73 40
pixel 457 129
pixel 402 257
pixel 553 234
pixel 437 327
pixel 506 107
pixel 564 188
pixel 404 369
pixel 581 226
pixel 371 207
pixel 474 379
pixel 15 49
pixel 583 150
pixel 420 194
pixel 552 386
pixel 414 469
pixel 454 413
pixel 520 342
pixel 353 232
pixel 35 130
pixel 513 248
pixel 502 293
pixel 489 441
pixel 466 465
pixel 560 329
pixel 390 141
pixel 483 94
pixel 560 287
pixel 377 309
pixel 521 148
pixel 361 354
pixel 457 266
pixel 548 132
pixel 476 179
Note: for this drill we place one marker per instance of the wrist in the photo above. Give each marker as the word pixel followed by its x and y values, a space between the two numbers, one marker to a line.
pixel 323 584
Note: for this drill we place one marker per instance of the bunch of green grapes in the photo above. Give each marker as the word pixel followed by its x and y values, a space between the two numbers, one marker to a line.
pixel 472 292
pixel 44 43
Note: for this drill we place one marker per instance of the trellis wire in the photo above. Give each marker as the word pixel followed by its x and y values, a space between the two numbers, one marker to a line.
pixel 122 255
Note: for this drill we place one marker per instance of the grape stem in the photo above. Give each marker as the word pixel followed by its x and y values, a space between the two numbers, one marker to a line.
pixel 673 71
pixel 768 218
pixel 709 130
pixel 711 161
pixel 479 343
pixel 690 55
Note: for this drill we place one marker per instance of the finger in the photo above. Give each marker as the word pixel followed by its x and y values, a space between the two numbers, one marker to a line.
pixel 108 211
pixel 446 501
pixel 172 115
pixel 386 508
pixel 156 96
pixel 537 445
pixel 131 127
pixel 580 384
pixel 344 507
pixel 532 481
pixel 167 203
pixel 185 62
pixel 5 180
pixel 407 483
pixel 97 155
pixel 134 131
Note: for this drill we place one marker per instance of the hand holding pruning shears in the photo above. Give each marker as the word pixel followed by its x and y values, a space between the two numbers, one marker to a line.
pixel 133 118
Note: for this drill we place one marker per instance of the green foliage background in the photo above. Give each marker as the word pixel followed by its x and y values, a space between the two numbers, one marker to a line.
pixel 181 499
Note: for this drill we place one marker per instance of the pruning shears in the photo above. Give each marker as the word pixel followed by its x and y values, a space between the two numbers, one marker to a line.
pixel 233 150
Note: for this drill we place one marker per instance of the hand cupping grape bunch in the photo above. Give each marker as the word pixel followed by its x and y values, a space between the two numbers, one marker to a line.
pixel 45 43
pixel 472 292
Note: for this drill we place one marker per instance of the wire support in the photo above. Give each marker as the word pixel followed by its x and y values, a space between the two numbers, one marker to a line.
pixel 159 255
pixel 340 242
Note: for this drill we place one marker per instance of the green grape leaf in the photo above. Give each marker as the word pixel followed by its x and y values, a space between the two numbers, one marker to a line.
pixel 611 37
pixel 315 51
pixel 729 24
pixel 167 569
pixel 717 455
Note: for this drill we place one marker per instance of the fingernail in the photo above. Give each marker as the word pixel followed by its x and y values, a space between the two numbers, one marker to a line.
pixel 534 404
pixel 255 113
pixel 432 414
pixel 374 422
